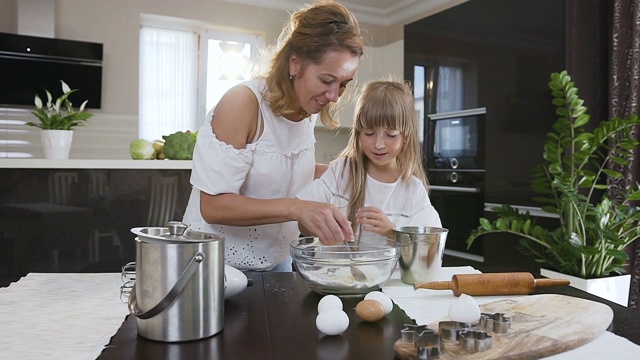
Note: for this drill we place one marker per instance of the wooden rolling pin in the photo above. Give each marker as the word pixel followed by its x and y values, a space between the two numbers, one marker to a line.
pixel 513 283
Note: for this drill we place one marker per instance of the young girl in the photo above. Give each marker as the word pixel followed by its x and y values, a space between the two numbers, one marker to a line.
pixel 378 180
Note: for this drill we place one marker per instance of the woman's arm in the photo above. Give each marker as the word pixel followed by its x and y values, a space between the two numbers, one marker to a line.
pixel 236 118
pixel 324 220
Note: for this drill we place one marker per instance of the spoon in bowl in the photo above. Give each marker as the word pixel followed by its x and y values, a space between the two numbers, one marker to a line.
pixel 357 273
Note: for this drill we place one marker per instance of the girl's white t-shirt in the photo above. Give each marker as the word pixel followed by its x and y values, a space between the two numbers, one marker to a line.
pixel 279 164
pixel 406 203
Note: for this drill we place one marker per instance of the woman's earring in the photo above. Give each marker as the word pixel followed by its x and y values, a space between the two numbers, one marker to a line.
pixel 290 76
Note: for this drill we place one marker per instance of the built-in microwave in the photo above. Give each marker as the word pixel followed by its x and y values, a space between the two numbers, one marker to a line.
pixel 455 157
pixel 455 140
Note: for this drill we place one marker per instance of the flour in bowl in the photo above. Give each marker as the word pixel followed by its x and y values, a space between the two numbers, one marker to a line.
pixel 342 278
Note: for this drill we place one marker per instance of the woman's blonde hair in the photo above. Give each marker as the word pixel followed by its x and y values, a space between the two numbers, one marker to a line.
pixel 382 104
pixel 309 34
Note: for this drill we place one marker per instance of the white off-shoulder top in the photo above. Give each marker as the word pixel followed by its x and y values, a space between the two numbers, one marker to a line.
pixel 278 164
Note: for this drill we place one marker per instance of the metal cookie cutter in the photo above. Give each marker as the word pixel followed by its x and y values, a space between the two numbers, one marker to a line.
pixel 498 322
pixel 450 330
pixel 475 340
pixel 428 345
pixel 426 341
pixel 411 332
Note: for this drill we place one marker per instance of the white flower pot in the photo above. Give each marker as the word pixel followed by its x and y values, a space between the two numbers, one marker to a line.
pixel 613 288
pixel 56 144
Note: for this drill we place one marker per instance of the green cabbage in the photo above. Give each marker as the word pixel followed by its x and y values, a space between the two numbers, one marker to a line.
pixel 141 149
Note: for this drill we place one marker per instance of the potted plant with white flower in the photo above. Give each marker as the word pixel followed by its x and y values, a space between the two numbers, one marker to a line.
pixel 57 120
pixel 594 228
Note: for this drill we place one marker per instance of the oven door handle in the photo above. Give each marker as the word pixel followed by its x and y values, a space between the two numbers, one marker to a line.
pixel 455 189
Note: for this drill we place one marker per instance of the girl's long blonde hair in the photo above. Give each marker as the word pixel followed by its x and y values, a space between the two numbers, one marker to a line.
pixel 382 104
pixel 310 33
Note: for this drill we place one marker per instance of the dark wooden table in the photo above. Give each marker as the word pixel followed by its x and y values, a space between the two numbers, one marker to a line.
pixel 275 319
pixel 272 319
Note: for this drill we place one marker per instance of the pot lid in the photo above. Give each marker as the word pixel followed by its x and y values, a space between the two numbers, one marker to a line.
pixel 175 233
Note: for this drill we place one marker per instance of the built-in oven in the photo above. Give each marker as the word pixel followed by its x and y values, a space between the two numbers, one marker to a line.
pixel 455 158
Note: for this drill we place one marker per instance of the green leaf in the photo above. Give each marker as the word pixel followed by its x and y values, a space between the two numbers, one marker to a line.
pixel 485 224
pixel 612 173
pixel 502 224
pixel 581 120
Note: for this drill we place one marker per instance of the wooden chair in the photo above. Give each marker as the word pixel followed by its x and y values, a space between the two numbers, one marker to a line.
pixel 162 204
pixel 98 192
pixel 60 186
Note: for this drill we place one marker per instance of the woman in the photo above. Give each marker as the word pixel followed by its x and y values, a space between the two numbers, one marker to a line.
pixel 257 151
pixel 378 180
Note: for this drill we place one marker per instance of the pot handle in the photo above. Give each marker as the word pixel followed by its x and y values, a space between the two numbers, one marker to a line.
pixel 171 296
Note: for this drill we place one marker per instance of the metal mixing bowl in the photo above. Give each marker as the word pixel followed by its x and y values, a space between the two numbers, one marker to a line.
pixel 326 269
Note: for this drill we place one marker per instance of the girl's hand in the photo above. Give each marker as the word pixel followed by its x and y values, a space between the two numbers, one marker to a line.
pixel 375 220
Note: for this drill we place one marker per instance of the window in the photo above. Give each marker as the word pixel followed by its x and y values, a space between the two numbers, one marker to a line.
pixel 168 82
pixel 185 72
pixel 229 59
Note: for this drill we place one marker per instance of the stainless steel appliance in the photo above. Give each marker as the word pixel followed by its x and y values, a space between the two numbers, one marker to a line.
pixel 455 158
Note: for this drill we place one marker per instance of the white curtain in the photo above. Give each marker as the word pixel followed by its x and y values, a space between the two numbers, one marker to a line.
pixel 168 82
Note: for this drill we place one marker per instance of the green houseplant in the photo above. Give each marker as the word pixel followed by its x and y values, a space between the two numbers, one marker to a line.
pixel 57 120
pixel 593 228
pixel 59 115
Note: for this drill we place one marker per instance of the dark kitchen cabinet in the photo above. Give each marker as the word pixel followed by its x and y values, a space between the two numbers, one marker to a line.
pixel 507 50
pixel 36 220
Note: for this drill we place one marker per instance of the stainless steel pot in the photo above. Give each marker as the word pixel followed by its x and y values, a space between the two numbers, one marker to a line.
pixel 179 289
pixel 421 252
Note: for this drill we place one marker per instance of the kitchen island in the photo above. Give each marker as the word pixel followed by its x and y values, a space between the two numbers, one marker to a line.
pixel 116 193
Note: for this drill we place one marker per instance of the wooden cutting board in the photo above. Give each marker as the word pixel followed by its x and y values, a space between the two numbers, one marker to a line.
pixel 541 325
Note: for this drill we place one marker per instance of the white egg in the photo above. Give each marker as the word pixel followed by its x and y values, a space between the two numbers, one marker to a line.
pixel 382 298
pixel 332 321
pixel 329 302
pixel 464 309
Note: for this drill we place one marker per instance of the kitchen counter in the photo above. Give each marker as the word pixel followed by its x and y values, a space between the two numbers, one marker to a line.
pixel 118 192
pixel 95 164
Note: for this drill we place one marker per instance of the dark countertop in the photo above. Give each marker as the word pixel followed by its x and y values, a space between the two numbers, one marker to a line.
pixel 275 319
pixel 272 319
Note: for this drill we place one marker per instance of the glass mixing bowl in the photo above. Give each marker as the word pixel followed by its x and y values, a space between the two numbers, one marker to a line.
pixel 326 269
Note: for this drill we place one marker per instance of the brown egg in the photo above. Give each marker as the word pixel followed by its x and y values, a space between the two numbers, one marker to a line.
pixel 370 310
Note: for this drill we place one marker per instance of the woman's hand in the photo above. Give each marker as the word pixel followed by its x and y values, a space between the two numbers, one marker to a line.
pixel 375 220
pixel 323 220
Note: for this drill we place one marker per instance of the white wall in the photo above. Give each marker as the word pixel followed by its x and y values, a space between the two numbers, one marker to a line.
pixel 115 24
